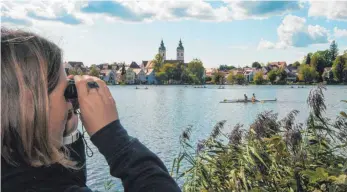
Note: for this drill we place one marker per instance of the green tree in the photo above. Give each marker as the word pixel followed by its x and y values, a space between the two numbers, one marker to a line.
pixel 282 75
pixel 161 76
pixel 123 73
pixel 231 78
pixel 258 78
pixel 169 70
pixel 256 64
pixel 226 67
pixel 308 58
pixel 218 77
pixel 196 67
pixel 318 62
pixel 208 79
pixel 240 79
pixel 158 62
pixel 307 73
pixel 334 51
pixel 94 72
pixel 272 75
pixel 338 67
pixel 296 64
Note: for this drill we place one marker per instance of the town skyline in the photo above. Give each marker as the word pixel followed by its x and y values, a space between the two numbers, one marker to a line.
pixel 231 33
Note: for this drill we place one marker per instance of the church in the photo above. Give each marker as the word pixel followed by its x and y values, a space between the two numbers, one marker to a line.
pixel 162 52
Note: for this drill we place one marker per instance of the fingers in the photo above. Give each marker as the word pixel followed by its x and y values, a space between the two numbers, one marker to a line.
pixel 81 85
pixel 103 91
pixel 70 76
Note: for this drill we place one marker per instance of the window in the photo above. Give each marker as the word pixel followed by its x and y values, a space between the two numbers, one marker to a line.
pixel 181 54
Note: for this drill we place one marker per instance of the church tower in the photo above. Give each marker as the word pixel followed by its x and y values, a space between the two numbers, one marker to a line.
pixel 162 50
pixel 180 52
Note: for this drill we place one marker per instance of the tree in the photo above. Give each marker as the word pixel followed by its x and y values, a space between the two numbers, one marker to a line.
pixel 226 67
pixel 334 51
pixel 208 79
pixel 272 75
pixel 256 65
pixel 196 67
pixel 123 73
pixel 169 70
pixel 282 74
pixel 161 76
pixel 308 58
pixel 158 62
pixel 318 63
pixel 240 79
pixel 94 72
pixel 307 73
pixel 296 64
pixel 218 78
pixel 258 78
pixel 231 78
pixel 338 67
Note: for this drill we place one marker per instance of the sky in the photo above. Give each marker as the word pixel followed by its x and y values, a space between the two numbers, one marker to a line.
pixel 216 32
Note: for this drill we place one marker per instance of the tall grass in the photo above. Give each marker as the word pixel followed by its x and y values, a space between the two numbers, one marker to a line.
pixel 271 155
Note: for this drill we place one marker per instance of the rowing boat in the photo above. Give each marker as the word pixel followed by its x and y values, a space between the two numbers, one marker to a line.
pixel 248 101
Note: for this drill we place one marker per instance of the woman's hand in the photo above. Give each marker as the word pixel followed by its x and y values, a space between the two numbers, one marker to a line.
pixel 97 105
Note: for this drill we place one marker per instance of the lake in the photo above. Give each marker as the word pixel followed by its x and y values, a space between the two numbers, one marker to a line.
pixel 158 115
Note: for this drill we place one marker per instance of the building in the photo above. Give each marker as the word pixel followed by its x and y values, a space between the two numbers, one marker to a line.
pixel 109 76
pixel 134 65
pixel 150 76
pixel 129 75
pixel 179 53
pixel 140 76
pixel 76 66
pixel 249 74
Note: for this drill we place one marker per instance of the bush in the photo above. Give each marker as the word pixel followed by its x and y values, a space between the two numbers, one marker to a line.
pixel 272 155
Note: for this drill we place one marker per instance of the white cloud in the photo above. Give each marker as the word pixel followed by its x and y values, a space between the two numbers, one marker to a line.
pixel 340 32
pixel 71 12
pixel 293 32
pixel 334 10
pixel 261 9
pixel 264 44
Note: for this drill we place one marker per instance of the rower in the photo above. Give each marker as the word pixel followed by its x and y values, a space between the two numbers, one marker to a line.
pixel 246 98
pixel 253 98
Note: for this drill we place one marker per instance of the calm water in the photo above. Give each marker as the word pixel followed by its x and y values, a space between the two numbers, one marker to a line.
pixel 158 115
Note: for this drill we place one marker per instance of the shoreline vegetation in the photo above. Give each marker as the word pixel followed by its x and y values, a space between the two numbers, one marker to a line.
pixel 270 155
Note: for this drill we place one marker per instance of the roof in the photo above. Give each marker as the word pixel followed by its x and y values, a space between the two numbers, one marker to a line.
pixel 173 61
pixel 137 71
pixel 162 46
pixel 279 64
pixel 150 64
pixel 76 64
pixel 180 46
pixel 149 71
pixel 144 63
pixel 134 65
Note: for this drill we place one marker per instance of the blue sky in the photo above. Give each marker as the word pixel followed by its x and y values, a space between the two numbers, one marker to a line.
pixel 217 32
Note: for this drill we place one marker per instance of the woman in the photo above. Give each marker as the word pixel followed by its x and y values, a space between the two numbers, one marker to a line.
pixel 40 147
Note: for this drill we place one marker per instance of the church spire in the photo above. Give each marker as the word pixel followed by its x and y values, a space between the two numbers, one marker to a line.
pixel 180 46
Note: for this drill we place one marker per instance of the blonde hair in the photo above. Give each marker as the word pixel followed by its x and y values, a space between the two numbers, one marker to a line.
pixel 30 68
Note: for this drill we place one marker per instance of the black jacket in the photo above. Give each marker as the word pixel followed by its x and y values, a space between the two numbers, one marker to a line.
pixel 137 167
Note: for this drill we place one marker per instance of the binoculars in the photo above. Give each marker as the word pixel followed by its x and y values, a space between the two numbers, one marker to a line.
pixel 71 92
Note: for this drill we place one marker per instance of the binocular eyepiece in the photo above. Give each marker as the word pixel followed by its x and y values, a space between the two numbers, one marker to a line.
pixel 71 94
